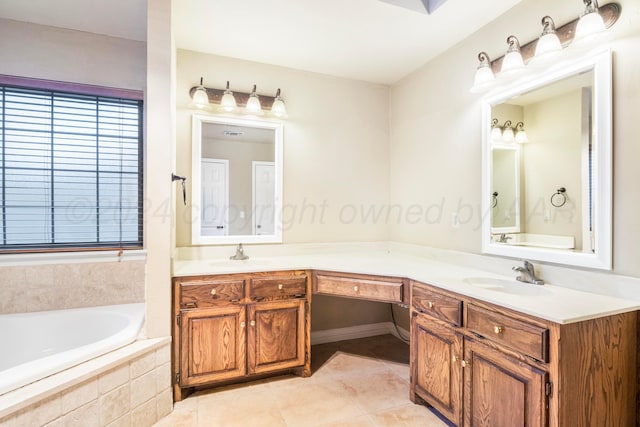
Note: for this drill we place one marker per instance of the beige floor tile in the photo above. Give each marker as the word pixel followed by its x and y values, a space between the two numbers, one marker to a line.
pixel 409 415
pixel 259 408
pixel 363 421
pixel 379 390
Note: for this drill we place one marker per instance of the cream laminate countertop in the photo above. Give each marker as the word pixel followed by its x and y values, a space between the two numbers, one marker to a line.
pixel 555 303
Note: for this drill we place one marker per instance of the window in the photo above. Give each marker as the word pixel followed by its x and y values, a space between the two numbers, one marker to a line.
pixel 70 166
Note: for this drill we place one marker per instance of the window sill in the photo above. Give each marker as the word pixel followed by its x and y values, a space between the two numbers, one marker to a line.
pixel 7 260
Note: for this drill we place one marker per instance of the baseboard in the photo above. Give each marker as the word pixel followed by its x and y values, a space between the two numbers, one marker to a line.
pixel 353 332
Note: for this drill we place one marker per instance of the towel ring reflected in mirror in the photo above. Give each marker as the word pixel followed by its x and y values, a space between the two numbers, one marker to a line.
pixel 559 198
pixel 494 199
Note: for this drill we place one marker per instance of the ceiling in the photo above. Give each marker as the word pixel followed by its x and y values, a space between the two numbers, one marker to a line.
pixel 368 40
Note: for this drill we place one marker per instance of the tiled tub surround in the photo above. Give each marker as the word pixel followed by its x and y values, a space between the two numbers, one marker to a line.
pixel 130 386
pixel 66 281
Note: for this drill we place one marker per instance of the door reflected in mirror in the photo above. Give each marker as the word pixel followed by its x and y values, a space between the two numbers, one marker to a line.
pixel 550 198
pixel 237 166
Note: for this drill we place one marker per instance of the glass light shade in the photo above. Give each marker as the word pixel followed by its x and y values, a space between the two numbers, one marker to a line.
pixel 496 134
pixel 521 137
pixel 484 74
pixel 253 105
pixel 278 108
pixel 200 97
pixel 588 26
pixel 548 45
pixel 228 101
pixel 512 63
pixel 507 134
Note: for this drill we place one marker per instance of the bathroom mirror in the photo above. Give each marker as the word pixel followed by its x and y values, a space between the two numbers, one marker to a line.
pixel 550 199
pixel 237 180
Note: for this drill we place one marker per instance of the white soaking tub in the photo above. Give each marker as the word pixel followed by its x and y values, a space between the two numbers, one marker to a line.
pixel 39 344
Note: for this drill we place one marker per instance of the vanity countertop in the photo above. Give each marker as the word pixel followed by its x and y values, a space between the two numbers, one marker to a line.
pixel 554 303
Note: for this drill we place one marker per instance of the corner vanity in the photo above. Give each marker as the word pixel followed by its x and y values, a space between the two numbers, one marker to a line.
pixel 485 349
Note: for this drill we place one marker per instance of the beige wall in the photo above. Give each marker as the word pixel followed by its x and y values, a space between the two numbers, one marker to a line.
pixel 435 132
pixel 336 146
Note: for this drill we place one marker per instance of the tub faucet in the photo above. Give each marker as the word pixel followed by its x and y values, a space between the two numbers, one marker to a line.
pixel 527 273
pixel 240 255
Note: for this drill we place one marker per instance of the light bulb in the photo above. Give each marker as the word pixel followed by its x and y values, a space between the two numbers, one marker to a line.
pixel 278 108
pixel 200 99
pixel 484 74
pixel 512 62
pixel 228 101
pixel 253 103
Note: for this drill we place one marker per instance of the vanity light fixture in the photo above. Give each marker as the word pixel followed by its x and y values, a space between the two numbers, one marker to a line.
pixel 548 44
pixel 200 98
pixel 253 103
pixel 521 135
pixel 512 62
pixel 228 101
pixel 590 23
pixel 484 74
pixel 593 20
pixel 507 132
pixel 278 108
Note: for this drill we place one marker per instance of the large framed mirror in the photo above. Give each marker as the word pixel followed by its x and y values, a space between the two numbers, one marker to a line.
pixel 237 180
pixel 549 198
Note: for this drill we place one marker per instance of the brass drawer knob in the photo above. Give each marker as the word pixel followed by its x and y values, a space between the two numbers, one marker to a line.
pixel 465 364
pixel 497 329
pixel 242 324
pixel 355 288
pixel 252 323
pixel 213 292
pixel 280 286
pixel 431 304
pixel 454 359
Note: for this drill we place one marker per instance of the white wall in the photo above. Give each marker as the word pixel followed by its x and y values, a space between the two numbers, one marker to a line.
pixel 435 128
pixel 335 146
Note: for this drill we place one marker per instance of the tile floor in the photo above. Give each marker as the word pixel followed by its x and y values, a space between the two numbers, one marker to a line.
pixel 355 383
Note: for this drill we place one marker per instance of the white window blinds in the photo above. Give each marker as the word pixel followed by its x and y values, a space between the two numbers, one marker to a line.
pixel 70 170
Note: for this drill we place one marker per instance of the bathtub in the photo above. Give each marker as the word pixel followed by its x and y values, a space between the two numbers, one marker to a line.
pixel 42 343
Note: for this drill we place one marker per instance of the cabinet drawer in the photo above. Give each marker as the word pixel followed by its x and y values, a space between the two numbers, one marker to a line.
pixel 210 293
pixel 437 305
pixel 520 335
pixel 369 289
pixel 275 287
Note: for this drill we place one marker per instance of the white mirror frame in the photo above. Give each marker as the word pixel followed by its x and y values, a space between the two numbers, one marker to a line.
pixel 600 63
pixel 196 180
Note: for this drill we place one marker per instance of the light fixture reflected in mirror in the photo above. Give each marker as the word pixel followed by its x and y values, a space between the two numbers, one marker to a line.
pixel 507 132
pixel 512 62
pixel 548 44
pixel 496 131
pixel 590 23
pixel 200 98
pixel 278 108
pixel 484 74
pixel 521 135
pixel 228 101
pixel 253 103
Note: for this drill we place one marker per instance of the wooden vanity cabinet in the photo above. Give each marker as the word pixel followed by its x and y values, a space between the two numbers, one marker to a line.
pixel 360 286
pixel 229 328
pixel 484 365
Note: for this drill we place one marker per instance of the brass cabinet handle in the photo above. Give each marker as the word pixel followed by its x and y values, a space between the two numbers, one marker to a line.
pixel 465 364
pixel 431 304
pixel 242 324
pixel 213 292
pixel 454 359
pixel 252 323
pixel 355 288
pixel 498 329
pixel 280 286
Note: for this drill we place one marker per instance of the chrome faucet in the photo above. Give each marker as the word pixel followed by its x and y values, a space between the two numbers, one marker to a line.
pixel 240 255
pixel 504 238
pixel 527 274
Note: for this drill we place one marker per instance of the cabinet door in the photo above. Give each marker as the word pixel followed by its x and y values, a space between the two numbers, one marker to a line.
pixel 276 335
pixel 212 345
pixel 500 391
pixel 436 352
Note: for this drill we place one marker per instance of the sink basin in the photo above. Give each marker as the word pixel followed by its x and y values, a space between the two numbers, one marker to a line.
pixel 507 286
